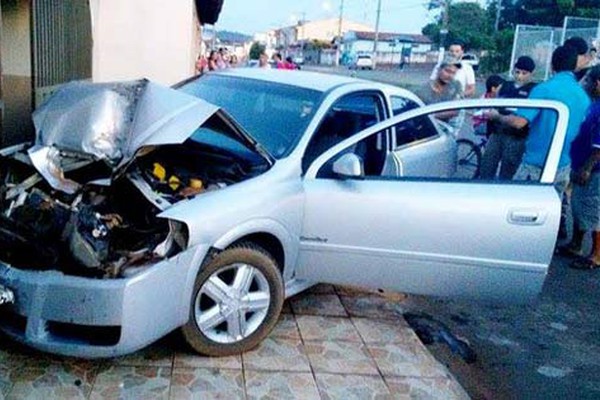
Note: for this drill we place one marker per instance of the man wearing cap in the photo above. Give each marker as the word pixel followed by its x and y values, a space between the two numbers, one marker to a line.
pixel 465 76
pixel 444 87
pixel 561 87
pixel 507 144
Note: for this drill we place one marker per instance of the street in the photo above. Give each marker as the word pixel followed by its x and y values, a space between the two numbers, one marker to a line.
pixel 548 349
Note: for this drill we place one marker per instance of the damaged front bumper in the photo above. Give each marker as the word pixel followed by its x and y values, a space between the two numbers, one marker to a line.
pixel 93 318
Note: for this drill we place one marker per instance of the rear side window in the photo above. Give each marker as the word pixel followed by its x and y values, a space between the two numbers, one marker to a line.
pixel 402 104
pixel 413 130
pixel 348 116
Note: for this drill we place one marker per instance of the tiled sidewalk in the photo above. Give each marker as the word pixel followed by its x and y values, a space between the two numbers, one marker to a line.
pixel 331 343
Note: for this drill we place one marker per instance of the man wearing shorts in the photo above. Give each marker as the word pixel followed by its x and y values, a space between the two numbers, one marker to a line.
pixel 585 198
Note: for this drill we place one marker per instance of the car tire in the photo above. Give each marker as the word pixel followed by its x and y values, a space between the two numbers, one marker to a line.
pixel 236 302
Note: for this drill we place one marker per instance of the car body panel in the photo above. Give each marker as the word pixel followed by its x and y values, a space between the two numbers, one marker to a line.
pixel 434 157
pixel 472 60
pixel 270 203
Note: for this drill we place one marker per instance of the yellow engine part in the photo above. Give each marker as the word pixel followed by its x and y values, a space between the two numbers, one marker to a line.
pixel 196 183
pixel 159 172
pixel 174 182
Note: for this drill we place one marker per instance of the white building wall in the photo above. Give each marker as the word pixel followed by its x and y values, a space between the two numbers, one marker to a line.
pixel 151 39
pixel 327 29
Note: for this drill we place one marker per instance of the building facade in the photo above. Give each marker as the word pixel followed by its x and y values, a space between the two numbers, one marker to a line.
pixel 44 43
pixel 322 30
pixel 392 48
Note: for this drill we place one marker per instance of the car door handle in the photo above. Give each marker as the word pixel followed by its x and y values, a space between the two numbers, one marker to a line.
pixel 526 217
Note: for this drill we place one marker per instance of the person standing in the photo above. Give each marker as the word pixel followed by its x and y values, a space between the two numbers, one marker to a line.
pixel 444 87
pixel 506 144
pixel 583 55
pixel 212 61
pixel 201 64
pixel 279 64
pixel 465 76
pixel 263 61
pixel 561 87
pixel 222 59
pixel 585 196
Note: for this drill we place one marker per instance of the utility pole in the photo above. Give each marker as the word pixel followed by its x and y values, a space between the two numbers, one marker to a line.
pixel 444 30
pixel 376 34
pixel 303 22
pixel 498 15
pixel 339 35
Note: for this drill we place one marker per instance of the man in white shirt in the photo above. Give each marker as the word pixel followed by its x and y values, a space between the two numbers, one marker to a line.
pixel 465 75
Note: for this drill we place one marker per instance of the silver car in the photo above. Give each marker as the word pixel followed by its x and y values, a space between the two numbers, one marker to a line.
pixel 142 209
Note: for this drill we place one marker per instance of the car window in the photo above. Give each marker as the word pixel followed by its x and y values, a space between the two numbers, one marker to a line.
pixel 477 150
pixel 402 104
pixel 276 115
pixel 414 130
pixel 349 115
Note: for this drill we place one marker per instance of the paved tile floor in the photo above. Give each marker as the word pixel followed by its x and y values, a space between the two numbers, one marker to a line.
pixel 331 343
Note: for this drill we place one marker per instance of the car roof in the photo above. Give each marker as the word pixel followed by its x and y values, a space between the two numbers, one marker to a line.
pixel 304 79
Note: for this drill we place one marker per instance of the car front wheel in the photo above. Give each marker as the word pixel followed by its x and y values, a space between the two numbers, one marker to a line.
pixel 236 302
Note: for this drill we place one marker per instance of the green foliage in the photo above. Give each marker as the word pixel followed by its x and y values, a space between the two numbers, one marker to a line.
pixel 317 44
pixel 468 22
pixel 544 12
pixel 497 57
pixel 256 50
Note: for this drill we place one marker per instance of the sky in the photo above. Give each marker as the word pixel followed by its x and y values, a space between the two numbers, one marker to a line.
pixel 253 16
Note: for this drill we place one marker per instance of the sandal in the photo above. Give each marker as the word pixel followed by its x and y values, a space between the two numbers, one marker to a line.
pixel 584 263
pixel 567 251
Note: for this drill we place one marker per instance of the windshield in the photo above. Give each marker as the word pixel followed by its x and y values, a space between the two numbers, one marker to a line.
pixel 276 115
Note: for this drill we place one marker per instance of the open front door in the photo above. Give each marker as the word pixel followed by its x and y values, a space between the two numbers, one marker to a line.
pixel 424 234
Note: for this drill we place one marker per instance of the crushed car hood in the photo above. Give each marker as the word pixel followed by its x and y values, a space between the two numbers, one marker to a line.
pixel 112 121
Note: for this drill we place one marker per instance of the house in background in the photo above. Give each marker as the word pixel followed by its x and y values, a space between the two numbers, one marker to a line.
pixel 322 30
pixel 392 48
pixel 44 43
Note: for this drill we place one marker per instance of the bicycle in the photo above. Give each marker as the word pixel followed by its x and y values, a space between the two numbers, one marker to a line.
pixel 469 156
pixel 468 152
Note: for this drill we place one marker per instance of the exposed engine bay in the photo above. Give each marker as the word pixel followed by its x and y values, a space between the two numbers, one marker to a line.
pixel 108 158
pixel 107 228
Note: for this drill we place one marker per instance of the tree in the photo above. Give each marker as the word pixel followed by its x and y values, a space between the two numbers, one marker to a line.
pixel 256 50
pixel 542 12
pixel 468 22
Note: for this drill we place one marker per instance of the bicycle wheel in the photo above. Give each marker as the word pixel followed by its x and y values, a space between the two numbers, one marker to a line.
pixel 469 159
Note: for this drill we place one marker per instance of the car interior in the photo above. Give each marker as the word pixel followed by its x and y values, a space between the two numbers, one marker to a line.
pixel 348 117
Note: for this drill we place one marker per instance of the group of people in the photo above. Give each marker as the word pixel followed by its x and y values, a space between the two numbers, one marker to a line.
pixel 216 60
pixel 278 62
pixel 519 141
pixel 221 59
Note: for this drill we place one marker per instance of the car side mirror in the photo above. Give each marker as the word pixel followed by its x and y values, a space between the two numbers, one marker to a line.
pixel 349 166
